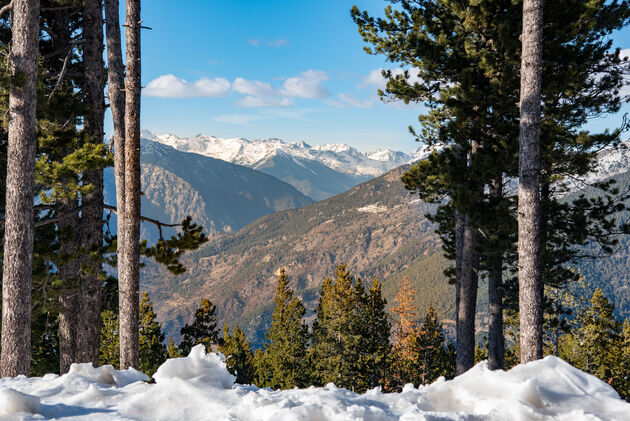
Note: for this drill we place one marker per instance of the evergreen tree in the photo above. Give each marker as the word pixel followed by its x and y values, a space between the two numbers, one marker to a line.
pixel 345 350
pixel 240 359
pixel 287 339
pixel 152 349
pixel 433 358
pixel 172 350
pixel 109 352
pixel 596 345
pixel 467 56
pixel 203 329
pixel 375 328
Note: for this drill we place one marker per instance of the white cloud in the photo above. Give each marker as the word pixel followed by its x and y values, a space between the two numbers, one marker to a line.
pixel 355 102
pixel 253 87
pixel 170 86
pixel 264 101
pixel 376 79
pixel 308 84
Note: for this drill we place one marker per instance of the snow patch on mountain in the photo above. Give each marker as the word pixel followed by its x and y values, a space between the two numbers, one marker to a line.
pixel 253 153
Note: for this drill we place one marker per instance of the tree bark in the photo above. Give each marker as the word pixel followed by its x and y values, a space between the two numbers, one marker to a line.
pixel 529 268
pixel 67 229
pixel 496 338
pixel 129 267
pixel 92 206
pixel 19 223
pixel 465 347
pixel 116 96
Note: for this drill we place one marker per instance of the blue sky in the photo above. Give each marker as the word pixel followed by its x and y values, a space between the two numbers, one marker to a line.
pixel 290 69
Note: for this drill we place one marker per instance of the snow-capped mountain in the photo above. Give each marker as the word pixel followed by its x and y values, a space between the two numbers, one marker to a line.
pixel 317 171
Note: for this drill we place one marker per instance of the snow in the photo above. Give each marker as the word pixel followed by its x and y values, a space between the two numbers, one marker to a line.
pixel 198 387
pixel 373 208
pixel 339 157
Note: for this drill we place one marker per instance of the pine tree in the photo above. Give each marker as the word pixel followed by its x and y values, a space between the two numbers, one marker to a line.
pixel 467 60
pixel 595 346
pixel 287 339
pixel 433 359
pixel 109 352
pixel 152 349
pixel 332 332
pixel 203 329
pixel 350 334
pixel 375 330
pixel 237 350
pixel 172 350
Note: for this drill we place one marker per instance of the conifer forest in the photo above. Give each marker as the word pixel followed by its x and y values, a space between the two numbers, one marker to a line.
pixel 149 273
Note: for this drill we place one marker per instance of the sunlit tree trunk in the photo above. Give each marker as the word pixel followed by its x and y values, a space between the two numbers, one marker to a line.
pixel 129 268
pixel 529 251
pixel 19 224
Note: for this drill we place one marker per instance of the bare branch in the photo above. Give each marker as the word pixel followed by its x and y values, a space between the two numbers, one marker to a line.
pixel 155 222
pixel 6 8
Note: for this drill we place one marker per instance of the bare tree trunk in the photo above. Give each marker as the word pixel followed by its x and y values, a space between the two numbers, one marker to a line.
pixel 92 207
pixel 129 267
pixel 19 230
pixel 68 228
pixel 465 352
pixel 467 273
pixel 496 338
pixel 460 222
pixel 116 95
pixel 529 268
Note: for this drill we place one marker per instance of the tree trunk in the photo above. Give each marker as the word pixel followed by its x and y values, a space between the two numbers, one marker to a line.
pixel 465 352
pixel 496 338
pixel 467 292
pixel 92 206
pixel 529 268
pixel 19 230
pixel 69 307
pixel 129 266
pixel 116 96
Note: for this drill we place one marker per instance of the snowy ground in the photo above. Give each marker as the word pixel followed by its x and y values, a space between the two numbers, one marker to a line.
pixel 199 388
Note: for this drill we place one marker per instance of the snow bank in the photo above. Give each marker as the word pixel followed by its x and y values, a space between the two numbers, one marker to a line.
pixel 198 387
pixel 208 369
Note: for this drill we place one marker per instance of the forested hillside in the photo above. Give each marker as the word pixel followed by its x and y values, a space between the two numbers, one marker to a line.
pixel 377 228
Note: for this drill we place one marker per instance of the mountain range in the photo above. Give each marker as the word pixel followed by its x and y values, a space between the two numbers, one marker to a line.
pixel 319 171
pixel 219 195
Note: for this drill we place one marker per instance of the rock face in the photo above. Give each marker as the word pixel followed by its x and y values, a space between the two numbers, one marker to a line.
pixel 376 228
pixel 319 171
pixel 218 195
